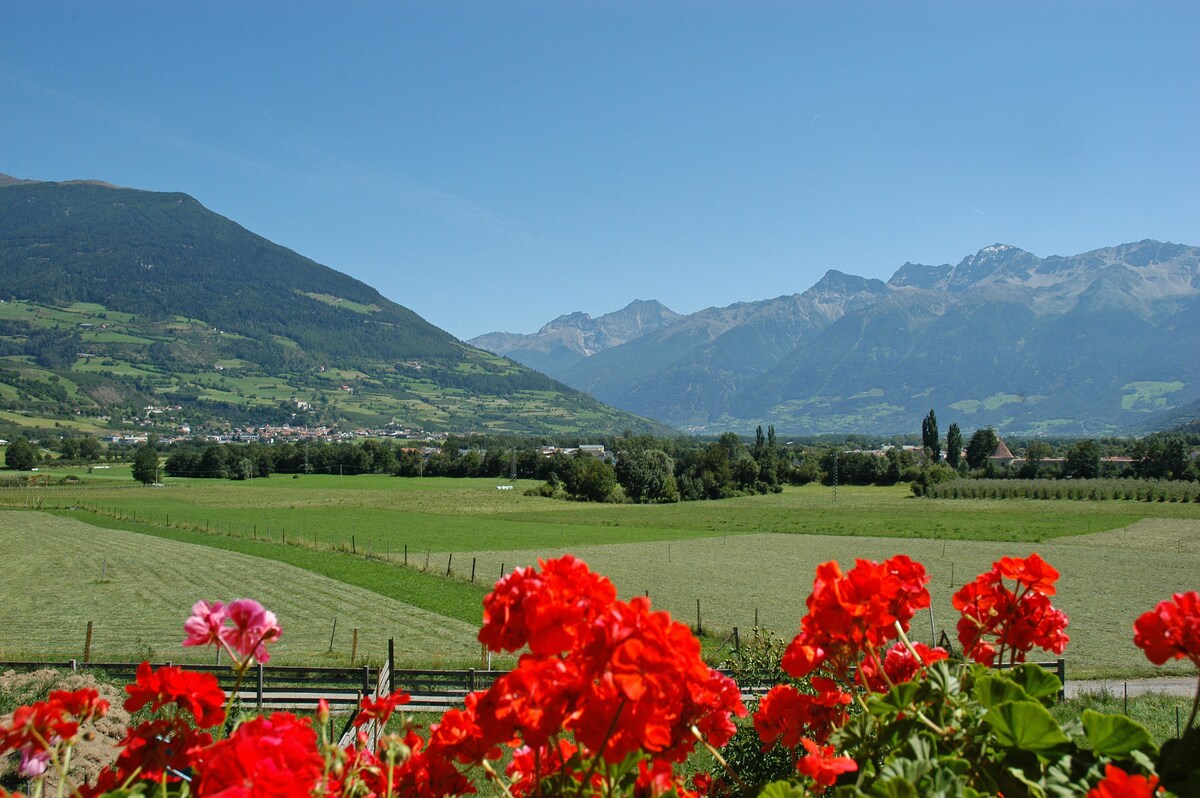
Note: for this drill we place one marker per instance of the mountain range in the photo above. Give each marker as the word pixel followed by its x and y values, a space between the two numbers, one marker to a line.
pixel 117 303
pixel 1096 343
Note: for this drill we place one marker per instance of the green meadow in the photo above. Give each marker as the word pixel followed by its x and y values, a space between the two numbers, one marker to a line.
pixel 137 591
pixel 741 558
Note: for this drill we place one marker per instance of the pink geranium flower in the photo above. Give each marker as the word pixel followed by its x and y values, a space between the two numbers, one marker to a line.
pixel 253 627
pixel 203 627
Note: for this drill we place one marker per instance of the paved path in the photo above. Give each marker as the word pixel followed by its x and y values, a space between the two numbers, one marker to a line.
pixel 1171 685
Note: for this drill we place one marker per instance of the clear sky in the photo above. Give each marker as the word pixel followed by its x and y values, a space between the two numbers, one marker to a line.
pixel 494 164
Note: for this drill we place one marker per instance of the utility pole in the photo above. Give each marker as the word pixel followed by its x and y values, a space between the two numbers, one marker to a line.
pixel 835 474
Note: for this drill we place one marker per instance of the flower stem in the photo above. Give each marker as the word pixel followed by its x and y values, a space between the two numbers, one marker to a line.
pixel 717 755
pixel 494 776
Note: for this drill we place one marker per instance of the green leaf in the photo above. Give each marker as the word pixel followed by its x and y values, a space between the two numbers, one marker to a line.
pixel 942 679
pixel 994 690
pixel 1037 681
pixel 1025 725
pixel 782 789
pixel 1115 735
pixel 1179 764
pixel 896 700
pixel 894 788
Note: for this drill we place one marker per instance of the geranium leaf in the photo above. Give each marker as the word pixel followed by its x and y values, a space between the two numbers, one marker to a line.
pixel 992 691
pixel 1177 764
pixel 1025 725
pixel 1115 735
pixel 896 700
pixel 782 789
pixel 1037 681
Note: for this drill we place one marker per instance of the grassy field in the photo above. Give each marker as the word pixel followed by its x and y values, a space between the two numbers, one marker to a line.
pixel 460 515
pixel 738 557
pixel 138 590
pixel 1107 579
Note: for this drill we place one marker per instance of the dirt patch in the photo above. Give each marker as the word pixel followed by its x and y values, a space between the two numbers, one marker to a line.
pixel 97 749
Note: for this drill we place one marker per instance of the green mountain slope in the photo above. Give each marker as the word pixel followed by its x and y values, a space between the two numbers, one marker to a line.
pixel 119 300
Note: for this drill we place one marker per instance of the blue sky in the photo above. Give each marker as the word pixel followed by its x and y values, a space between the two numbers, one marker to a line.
pixel 492 165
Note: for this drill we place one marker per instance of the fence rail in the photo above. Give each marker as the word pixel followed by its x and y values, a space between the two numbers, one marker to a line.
pixel 290 687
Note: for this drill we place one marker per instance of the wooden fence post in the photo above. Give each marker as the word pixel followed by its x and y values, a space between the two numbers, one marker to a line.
pixel 87 644
pixel 331 634
pixel 699 626
pixel 354 648
pixel 737 641
pixel 472 570
pixel 391 665
pixel 449 560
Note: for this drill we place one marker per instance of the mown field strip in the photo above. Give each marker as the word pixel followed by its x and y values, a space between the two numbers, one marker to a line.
pixel 52 585
pixel 1107 579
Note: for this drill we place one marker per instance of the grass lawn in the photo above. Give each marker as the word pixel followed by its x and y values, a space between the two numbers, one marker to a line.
pixel 1157 712
pixel 53 585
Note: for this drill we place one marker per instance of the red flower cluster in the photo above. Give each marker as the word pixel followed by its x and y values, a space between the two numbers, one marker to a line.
pixel 851 618
pixel 196 693
pixel 855 614
pixel 163 747
pixel 1119 784
pixel 901 664
pixel 822 765
pixel 1171 630
pixel 378 710
pixel 617 676
pixel 998 621
pixel 272 756
pixel 401 765
pixel 787 715
pixel 36 730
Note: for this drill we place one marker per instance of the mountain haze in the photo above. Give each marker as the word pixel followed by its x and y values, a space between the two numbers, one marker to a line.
pixel 118 298
pixel 1087 344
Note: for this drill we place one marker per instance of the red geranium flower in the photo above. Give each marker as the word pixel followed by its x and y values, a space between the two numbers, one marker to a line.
pixel 1171 630
pixel 198 693
pixel 856 612
pixel 786 715
pixel 899 665
pixel 996 620
pixel 380 710
pixel 1119 784
pixel 822 766
pixel 155 748
pixel 272 757
pixel 36 729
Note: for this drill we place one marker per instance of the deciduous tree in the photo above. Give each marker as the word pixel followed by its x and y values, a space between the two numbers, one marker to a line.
pixel 145 465
pixel 21 455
